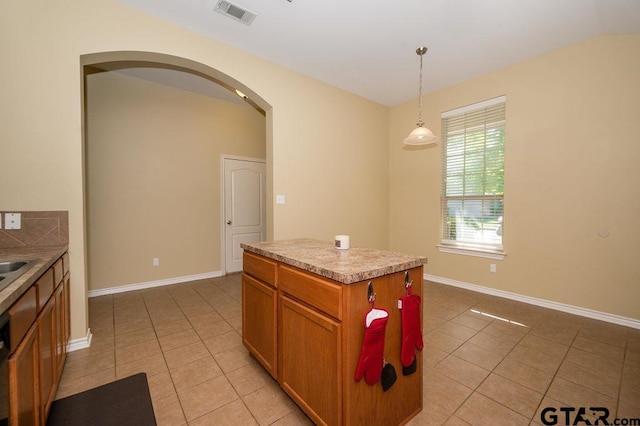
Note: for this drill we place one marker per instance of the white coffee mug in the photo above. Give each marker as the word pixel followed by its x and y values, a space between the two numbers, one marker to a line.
pixel 342 242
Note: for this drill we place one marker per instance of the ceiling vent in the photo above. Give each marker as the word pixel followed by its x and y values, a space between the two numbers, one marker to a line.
pixel 235 12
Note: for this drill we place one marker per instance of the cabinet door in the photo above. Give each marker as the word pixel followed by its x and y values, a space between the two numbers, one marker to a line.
pixel 61 320
pixel 24 390
pixel 67 309
pixel 47 326
pixel 310 361
pixel 259 321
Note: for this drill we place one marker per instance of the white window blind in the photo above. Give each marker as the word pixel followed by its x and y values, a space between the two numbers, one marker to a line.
pixel 473 176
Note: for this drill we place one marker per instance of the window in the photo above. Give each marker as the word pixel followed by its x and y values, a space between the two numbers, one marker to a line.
pixel 473 178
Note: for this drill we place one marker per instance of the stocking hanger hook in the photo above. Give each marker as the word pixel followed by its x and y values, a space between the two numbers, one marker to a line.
pixel 407 282
pixel 371 295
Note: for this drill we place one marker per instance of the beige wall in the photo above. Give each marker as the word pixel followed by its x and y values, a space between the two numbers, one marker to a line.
pixel 154 179
pixel 314 131
pixel 571 170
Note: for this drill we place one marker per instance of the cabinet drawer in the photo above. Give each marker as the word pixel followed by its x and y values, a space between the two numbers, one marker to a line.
pixel 45 287
pixel 65 263
pixel 21 315
pixel 260 267
pixel 58 272
pixel 315 291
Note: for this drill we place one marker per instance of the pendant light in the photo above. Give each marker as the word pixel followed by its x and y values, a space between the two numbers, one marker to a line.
pixel 420 135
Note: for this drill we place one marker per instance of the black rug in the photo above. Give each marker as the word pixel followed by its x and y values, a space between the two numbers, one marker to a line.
pixel 123 402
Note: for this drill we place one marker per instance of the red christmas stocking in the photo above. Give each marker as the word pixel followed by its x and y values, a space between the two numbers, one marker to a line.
pixel 411 330
pixel 372 352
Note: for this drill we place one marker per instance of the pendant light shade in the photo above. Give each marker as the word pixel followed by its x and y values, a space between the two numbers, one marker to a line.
pixel 420 135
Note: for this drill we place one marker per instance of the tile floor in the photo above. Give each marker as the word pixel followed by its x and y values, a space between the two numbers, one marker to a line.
pixel 488 361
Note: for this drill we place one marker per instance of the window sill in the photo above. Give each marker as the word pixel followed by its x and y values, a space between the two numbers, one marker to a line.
pixel 488 254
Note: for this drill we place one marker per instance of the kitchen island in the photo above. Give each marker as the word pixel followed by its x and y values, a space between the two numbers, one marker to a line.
pixel 304 304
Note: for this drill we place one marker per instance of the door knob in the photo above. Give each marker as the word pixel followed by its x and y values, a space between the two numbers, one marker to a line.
pixel 228 222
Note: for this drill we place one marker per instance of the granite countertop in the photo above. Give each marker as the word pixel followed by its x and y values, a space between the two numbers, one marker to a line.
pixel 42 257
pixel 345 266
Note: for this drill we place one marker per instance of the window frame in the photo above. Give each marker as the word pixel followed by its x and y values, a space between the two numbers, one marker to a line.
pixel 482 249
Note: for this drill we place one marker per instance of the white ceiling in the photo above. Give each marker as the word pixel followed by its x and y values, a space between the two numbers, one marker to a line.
pixel 367 47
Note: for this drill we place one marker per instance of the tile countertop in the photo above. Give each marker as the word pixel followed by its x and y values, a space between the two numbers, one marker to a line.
pixel 43 258
pixel 345 266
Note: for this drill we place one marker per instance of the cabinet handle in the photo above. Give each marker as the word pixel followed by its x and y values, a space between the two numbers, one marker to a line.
pixel 228 222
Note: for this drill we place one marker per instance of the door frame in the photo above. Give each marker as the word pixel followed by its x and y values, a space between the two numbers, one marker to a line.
pixel 223 228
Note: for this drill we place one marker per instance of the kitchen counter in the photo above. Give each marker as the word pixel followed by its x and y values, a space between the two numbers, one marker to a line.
pixel 42 257
pixel 345 266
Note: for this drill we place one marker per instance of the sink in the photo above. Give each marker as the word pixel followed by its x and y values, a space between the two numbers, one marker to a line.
pixel 6 267
pixel 10 270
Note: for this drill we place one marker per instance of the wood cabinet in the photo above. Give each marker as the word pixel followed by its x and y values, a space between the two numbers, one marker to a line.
pixel 317 330
pixel 366 404
pixel 62 338
pixel 47 335
pixel 24 392
pixel 66 312
pixel 22 315
pixel 39 324
pixel 259 301
pixel 259 322
pixel 311 360
pixel 61 315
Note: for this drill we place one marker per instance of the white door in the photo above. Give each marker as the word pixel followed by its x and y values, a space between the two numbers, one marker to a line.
pixel 244 208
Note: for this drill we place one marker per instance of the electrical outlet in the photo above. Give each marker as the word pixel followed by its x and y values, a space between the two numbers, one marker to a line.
pixel 493 268
pixel 12 221
pixel 280 199
pixel 156 261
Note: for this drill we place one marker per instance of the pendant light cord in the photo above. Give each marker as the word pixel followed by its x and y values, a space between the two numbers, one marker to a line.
pixel 420 135
pixel 420 52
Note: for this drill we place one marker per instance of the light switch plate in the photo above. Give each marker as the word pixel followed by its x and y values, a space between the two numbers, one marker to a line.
pixel 12 221
pixel 279 199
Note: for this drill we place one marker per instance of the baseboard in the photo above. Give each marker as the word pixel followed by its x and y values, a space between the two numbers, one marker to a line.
pixel 151 284
pixel 81 343
pixel 576 310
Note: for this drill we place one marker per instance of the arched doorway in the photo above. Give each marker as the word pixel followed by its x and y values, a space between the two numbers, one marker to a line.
pixel 141 269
